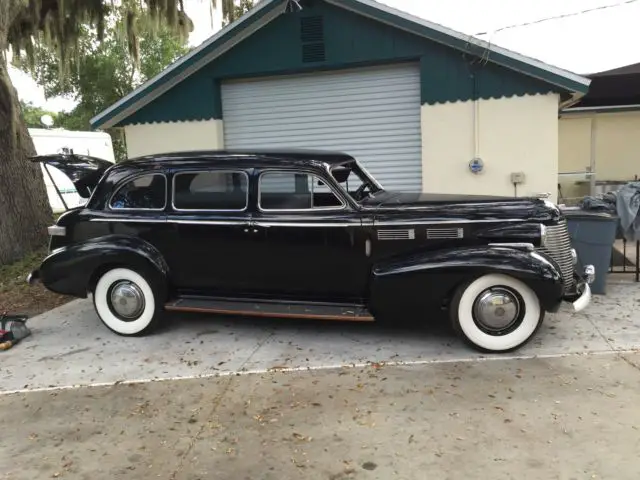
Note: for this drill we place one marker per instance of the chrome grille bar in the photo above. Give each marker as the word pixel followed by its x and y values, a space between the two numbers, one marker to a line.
pixel 558 247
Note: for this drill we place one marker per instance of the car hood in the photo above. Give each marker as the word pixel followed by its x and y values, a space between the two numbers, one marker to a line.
pixel 84 171
pixel 467 207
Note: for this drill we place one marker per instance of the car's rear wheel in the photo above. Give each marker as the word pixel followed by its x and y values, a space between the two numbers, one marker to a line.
pixel 126 303
pixel 496 313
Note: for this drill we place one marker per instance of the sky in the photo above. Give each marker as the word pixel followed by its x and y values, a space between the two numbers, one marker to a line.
pixel 584 43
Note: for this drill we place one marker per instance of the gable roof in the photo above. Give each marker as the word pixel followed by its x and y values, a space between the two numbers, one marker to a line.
pixel 267 10
pixel 616 90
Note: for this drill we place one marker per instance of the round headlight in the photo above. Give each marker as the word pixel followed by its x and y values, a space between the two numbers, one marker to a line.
pixel 543 235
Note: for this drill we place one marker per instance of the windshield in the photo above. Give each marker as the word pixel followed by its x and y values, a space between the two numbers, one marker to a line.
pixel 356 180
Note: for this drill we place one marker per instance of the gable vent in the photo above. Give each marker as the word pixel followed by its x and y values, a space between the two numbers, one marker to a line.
pixel 444 233
pixel 402 234
pixel 312 37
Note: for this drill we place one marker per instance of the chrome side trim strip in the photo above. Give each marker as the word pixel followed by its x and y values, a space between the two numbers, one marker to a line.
pixel 129 220
pixel 527 246
pixel 246 222
pixel 443 222
pixel 305 225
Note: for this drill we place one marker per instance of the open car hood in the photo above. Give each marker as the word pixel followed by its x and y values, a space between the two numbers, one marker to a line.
pixel 84 172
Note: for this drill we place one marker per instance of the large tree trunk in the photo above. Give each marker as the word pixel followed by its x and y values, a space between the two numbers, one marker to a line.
pixel 25 211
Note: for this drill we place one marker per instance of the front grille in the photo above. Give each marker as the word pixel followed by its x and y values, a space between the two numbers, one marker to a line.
pixel 558 247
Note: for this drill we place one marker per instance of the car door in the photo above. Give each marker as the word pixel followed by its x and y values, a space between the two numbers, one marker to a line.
pixel 309 241
pixel 210 219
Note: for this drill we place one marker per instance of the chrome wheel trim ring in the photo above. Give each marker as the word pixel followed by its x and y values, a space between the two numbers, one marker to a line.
pixel 498 310
pixel 126 300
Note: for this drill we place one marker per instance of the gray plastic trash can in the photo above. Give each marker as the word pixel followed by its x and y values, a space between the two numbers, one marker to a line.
pixel 593 235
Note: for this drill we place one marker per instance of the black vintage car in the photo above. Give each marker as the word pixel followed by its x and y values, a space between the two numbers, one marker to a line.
pixel 308 235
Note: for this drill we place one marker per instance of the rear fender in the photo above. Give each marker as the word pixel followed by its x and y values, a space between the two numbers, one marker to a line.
pixel 423 280
pixel 69 270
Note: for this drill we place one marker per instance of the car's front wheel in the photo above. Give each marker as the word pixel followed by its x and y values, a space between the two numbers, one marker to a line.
pixel 496 313
pixel 126 302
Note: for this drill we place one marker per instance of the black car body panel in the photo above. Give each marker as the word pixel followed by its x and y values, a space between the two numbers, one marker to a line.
pixel 404 279
pixel 71 270
pixel 369 247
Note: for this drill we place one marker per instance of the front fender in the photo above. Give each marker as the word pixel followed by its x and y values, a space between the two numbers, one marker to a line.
pixel 425 279
pixel 69 270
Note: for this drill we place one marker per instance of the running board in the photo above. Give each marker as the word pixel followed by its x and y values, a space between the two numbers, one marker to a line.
pixel 262 308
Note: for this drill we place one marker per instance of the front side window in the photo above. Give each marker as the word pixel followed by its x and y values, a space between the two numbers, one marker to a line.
pixel 147 192
pixel 211 190
pixel 356 181
pixel 295 191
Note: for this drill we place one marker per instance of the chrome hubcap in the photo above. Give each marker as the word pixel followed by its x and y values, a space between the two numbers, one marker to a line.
pixel 127 300
pixel 496 309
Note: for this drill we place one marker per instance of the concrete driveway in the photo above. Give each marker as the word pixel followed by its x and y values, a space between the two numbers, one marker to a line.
pixel 70 347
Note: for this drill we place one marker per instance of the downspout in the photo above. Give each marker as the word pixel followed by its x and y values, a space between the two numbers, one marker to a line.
pixel 476 118
pixel 592 156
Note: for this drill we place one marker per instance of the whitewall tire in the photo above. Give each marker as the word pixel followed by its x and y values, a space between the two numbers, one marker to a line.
pixel 496 313
pixel 125 302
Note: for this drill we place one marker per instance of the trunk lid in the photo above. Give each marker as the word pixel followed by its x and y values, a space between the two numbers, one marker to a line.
pixel 84 171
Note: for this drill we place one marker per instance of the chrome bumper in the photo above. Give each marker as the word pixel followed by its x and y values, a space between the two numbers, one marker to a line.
pixel 584 299
pixel 33 277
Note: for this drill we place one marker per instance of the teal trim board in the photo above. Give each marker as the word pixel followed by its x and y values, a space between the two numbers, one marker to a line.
pixel 332 35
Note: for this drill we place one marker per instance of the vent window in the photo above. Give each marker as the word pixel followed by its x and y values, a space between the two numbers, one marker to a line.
pixel 312 38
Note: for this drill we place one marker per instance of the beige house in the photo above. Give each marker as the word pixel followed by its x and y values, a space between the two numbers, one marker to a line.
pixel 601 134
pixel 423 107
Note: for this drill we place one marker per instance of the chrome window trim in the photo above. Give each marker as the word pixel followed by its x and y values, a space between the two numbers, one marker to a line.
pixel 328 169
pixel 296 210
pixel 130 179
pixel 129 220
pixel 173 191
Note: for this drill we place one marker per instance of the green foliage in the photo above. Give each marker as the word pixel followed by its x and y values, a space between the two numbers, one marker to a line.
pixel 62 24
pixel 32 114
pixel 103 71
pixel 235 9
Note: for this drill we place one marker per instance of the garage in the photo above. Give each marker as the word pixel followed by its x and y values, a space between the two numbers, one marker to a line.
pixel 423 107
pixel 373 114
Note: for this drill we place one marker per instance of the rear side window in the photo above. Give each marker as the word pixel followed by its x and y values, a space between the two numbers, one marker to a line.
pixel 211 190
pixel 147 192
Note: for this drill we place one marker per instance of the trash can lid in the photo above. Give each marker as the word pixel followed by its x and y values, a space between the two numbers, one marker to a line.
pixel 575 213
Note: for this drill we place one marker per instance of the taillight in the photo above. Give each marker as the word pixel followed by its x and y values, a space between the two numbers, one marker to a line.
pixel 57 231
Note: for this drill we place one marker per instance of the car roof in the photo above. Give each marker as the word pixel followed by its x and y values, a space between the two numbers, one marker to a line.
pixel 263 156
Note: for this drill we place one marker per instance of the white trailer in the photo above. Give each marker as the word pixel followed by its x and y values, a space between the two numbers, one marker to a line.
pixel 52 141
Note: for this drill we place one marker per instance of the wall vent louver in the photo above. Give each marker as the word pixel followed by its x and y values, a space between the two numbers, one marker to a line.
pixel 312 38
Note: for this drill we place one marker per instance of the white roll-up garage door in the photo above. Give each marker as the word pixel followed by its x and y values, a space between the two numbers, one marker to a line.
pixel 370 113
